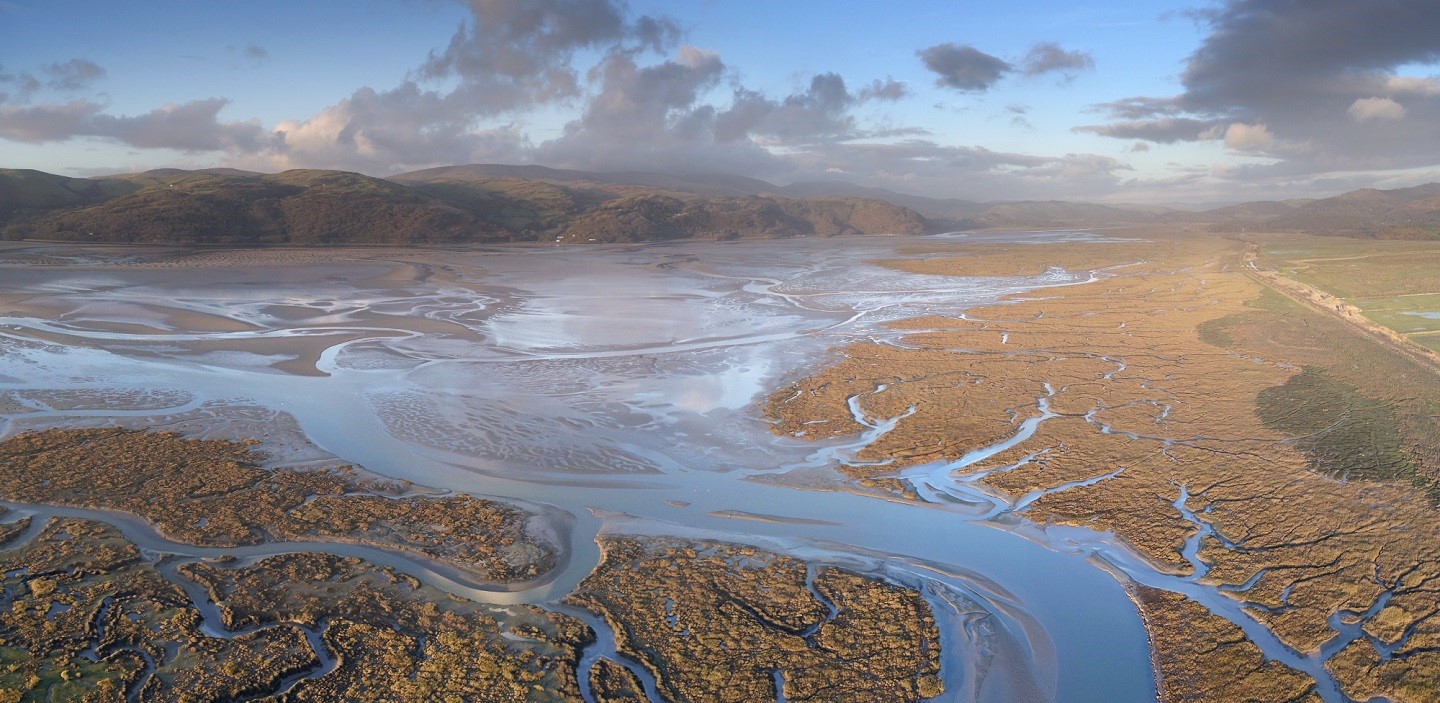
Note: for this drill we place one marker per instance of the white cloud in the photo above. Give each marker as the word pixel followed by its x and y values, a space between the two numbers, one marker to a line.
pixel 1412 85
pixel 1248 137
pixel 1375 109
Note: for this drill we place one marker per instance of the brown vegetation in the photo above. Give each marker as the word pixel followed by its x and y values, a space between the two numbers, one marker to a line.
pixel 1160 371
pixel 613 683
pixel 395 639
pixel 214 493
pixel 718 622
pixel 87 618
pixel 1203 658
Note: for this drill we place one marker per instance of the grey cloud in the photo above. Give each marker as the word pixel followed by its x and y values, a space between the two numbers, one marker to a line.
pixel 637 102
pixel 256 53
pixel 46 123
pixel 70 76
pixel 964 68
pixel 670 152
pixel 822 112
pixel 1049 57
pixel 657 118
pixel 888 89
pixel 75 74
pixel 654 118
pixel 890 131
pixel 25 86
pixel 638 117
pixel 28 85
pixel 517 54
pixel 655 33
pixel 378 131
pixel 1018 113
pixel 192 126
pixel 510 57
pixel 1167 130
pixel 937 170
pixel 1137 108
pixel 1300 69
pixel 1259 46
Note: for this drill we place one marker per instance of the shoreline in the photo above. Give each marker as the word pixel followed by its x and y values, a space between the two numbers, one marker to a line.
pixel 399 459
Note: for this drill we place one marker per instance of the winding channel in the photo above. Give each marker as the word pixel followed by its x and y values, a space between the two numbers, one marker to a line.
pixel 647 357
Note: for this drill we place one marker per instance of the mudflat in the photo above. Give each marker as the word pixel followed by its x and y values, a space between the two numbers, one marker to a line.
pixel 958 467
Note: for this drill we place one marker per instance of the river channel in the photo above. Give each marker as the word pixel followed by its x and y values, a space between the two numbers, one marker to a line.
pixel 621 385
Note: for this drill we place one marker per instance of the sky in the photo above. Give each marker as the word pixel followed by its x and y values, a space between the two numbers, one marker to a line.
pixel 1153 102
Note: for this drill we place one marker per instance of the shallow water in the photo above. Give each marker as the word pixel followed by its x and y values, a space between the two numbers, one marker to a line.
pixel 616 383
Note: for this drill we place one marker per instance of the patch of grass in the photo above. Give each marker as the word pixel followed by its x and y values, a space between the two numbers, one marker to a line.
pixel 1429 341
pixel 1216 332
pixel 1403 323
pixel 1280 328
pixel 1405 314
pixel 1359 269
pixel 1343 433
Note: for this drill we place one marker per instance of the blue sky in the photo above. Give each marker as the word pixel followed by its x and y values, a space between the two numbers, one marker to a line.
pixel 96 87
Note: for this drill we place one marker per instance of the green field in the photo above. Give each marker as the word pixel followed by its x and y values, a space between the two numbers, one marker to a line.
pixel 1429 340
pixel 1394 283
pixel 1355 269
pixel 1409 314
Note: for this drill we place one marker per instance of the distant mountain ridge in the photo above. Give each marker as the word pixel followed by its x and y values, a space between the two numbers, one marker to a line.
pixel 495 202
pixel 696 184
pixel 221 207
pixel 1404 213
pixel 456 204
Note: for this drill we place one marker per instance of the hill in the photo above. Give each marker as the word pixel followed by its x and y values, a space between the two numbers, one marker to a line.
pixel 23 192
pixel 1242 212
pixel 294 207
pixel 614 182
pixel 948 209
pixel 1059 213
pixel 456 204
pixel 492 202
pixel 1405 213
pixel 662 217
pixel 957 214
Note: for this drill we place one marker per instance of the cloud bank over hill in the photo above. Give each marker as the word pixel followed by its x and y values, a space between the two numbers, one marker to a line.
pixel 1314 87
pixel 1290 96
